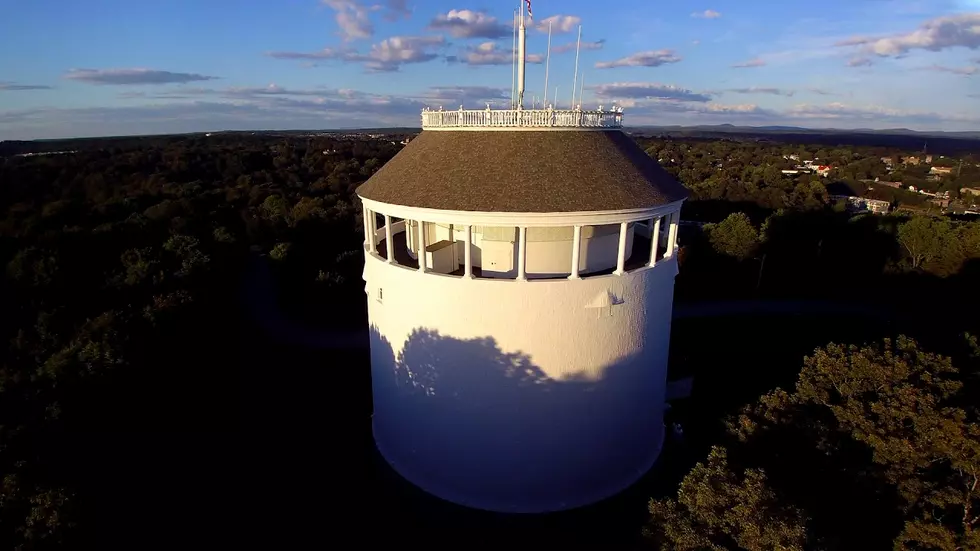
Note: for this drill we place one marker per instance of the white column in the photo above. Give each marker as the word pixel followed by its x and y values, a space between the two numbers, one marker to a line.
pixel 654 241
pixel 389 244
pixel 521 253
pixel 468 253
pixel 621 258
pixel 675 218
pixel 421 248
pixel 364 220
pixel 372 223
pixel 576 246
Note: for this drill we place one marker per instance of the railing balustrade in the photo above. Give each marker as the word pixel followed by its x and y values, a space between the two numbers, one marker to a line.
pixel 522 118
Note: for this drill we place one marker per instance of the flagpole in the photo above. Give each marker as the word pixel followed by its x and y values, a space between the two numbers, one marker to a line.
pixel 522 61
pixel 513 63
pixel 575 79
pixel 547 64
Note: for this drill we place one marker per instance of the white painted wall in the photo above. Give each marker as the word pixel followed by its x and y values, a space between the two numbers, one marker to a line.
pixel 521 396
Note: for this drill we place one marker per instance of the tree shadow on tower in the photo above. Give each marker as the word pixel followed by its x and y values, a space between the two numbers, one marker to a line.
pixel 486 428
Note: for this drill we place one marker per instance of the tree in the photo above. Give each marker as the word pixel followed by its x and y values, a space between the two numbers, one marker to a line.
pixel 922 238
pixel 717 509
pixel 734 236
pixel 907 408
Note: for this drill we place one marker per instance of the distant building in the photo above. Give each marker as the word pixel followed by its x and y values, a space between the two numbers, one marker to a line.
pixel 888 160
pixel 862 204
pixel 896 185
pixel 969 190
pixel 941 170
pixel 791 172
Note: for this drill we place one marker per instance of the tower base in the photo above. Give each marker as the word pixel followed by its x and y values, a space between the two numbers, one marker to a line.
pixel 553 495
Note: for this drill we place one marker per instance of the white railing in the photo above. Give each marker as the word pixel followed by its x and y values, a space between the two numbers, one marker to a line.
pixel 522 118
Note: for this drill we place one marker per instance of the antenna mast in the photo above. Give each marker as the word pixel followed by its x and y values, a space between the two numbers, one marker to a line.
pixel 522 54
pixel 547 64
pixel 575 79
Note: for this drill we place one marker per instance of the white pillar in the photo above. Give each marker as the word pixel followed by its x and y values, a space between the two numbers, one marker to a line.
pixel 421 248
pixel 675 218
pixel 576 246
pixel 364 220
pixel 372 223
pixel 654 241
pixel 468 253
pixel 521 253
pixel 621 258
pixel 389 244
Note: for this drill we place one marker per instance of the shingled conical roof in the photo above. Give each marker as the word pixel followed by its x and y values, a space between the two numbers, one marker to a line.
pixel 523 171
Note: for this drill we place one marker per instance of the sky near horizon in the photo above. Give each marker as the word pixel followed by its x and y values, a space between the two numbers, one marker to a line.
pixel 113 67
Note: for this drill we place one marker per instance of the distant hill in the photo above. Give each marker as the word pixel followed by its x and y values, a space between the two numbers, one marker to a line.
pixel 728 128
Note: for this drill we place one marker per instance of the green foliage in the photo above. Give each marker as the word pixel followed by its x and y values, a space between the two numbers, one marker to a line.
pixel 718 509
pixel 280 251
pixel 735 236
pixel 906 408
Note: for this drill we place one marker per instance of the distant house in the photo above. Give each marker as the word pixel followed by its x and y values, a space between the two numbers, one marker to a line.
pixel 941 170
pixel 791 172
pixel 969 190
pixel 896 185
pixel 888 160
pixel 823 170
pixel 911 160
pixel 862 204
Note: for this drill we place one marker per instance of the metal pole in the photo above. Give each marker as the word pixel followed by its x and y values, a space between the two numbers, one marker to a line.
pixel 575 80
pixel 547 64
pixel 513 63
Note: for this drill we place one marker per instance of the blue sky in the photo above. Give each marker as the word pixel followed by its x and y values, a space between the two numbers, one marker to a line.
pixel 110 67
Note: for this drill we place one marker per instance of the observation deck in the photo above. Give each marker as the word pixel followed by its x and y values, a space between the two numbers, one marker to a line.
pixel 520 119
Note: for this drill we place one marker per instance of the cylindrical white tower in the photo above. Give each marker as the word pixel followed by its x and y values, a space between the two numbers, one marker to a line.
pixel 520 268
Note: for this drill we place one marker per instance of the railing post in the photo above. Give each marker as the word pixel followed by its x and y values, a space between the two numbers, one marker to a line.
pixel 421 244
pixel 389 245
pixel 468 253
pixel 654 240
pixel 521 253
pixel 576 246
pixel 621 257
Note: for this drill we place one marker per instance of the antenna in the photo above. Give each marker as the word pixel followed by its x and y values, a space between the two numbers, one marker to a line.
pixel 522 53
pixel 547 63
pixel 513 62
pixel 575 80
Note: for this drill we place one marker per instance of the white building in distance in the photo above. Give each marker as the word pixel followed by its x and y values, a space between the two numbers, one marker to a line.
pixel 519 269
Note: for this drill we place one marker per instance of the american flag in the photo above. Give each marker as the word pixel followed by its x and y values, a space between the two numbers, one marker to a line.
pixel 528 2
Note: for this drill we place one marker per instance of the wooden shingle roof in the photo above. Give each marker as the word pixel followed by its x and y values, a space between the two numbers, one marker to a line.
pixel 523 171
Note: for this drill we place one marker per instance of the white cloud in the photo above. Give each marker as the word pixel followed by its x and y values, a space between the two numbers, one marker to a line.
pixel 962 30
pixel 487 53
pixel 642 59
pixel 750 63
pixel 859 62
pixel 646 90
pixel 132 76
pixel 559 23
pixel 398 9
pixel 388 55
pixel 706 14
pixel 352 18
pixel 756 90
pixel 965 71
pixel 585 45
pixel 14 87
pixel 470 24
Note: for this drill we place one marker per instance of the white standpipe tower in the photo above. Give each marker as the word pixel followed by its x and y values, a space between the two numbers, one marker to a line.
pixel 519 276
pixel 522 59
